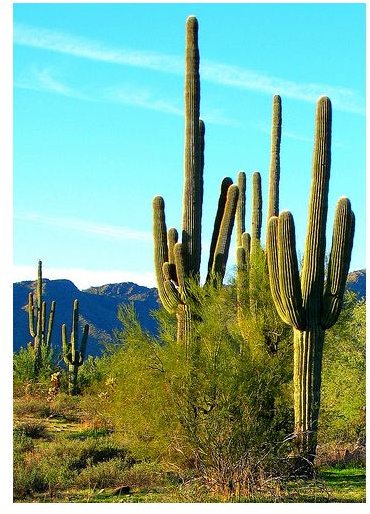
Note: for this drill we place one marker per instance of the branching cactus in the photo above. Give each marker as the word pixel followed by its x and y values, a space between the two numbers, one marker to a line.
pixel 251 281
pixel 248 246
pixel 73 356
pixel 177 264
pixel 40 331
pixel 311 304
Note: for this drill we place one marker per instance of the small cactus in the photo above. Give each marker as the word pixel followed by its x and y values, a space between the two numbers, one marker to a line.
pixel 73 356
pixel 39 330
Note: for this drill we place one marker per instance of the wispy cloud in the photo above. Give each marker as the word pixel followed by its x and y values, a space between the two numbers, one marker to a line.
pixel 141 98
pixel 44 80
pixel 62 42
pixel 87 227
pixel 85 278
pixel 231 76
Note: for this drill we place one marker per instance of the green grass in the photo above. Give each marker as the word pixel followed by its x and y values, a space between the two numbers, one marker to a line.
pixel 60 458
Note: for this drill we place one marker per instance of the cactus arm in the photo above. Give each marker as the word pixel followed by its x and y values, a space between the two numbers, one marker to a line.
pixel 172 239
pixel 290 286
pixel 161 254
pixel 224 236
pixel 172 292
pixel 273 267
pixel 242 274
pixel 180 260
pixel 256 212
pixel 240 209
pixel 65 345
pixel 31 315
pixel 273 202
pixel 191 225
pixel 50 325
pixel 339 261
pixel 43 321
pixel 314 255
pixel 225 184
pixel 83 344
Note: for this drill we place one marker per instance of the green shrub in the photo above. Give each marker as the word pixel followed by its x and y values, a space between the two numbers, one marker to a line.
pixel 222 407
pixel 32 429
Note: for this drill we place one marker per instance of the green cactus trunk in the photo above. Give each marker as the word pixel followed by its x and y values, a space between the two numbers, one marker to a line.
pixel 308 348
pixel 72 379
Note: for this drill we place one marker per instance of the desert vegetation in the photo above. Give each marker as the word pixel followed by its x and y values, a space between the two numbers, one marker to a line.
pixel 226 402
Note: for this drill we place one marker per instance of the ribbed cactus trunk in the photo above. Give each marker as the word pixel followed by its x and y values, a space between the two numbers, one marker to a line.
pixel 72 379
pixel 309 304
pixel 308 348
pixel 193 174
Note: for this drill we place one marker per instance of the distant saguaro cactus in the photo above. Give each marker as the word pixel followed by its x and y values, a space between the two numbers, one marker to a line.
pixel 39 330
pixel 310 304
pixel 73 356
pixel 177 263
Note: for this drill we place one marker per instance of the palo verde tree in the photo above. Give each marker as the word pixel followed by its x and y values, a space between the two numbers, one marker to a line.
pixel 311 304
pixel 40 331
pixel 177 264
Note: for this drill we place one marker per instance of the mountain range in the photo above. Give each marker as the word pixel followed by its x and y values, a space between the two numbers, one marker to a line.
pixel 98 307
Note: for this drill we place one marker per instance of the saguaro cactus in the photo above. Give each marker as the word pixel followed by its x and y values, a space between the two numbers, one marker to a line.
pixel 176 263
pixel 39 330
pixel 311 305
pixel 72 356
pixel 251 281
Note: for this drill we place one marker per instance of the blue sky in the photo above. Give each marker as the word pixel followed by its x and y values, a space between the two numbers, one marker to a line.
pixel 98 123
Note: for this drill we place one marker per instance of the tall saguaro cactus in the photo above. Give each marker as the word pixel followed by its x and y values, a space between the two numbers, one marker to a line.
pixel 39 330
pixel 73 356
pixel 311 304
pixel 177 263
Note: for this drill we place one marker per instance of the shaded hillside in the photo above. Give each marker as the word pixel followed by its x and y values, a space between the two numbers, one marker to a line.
pixel 356 282
pixel 98 307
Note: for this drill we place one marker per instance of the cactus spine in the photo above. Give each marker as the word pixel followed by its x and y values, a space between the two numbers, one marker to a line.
pixel 73 356
pixel 310 305
pixel 178 262
pixel 39 331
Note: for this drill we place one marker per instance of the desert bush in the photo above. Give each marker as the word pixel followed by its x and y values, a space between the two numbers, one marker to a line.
pixel 220 407
pixel 32 429
pixel 343 416
pixel 24 370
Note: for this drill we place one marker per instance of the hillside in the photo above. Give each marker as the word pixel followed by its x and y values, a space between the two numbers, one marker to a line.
pixel 98 307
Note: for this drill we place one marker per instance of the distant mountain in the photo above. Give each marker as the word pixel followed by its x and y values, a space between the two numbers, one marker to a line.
pixel 356 282
pixel 98 307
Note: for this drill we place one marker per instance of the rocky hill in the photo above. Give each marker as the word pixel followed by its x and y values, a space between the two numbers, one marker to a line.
pixel 98 307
